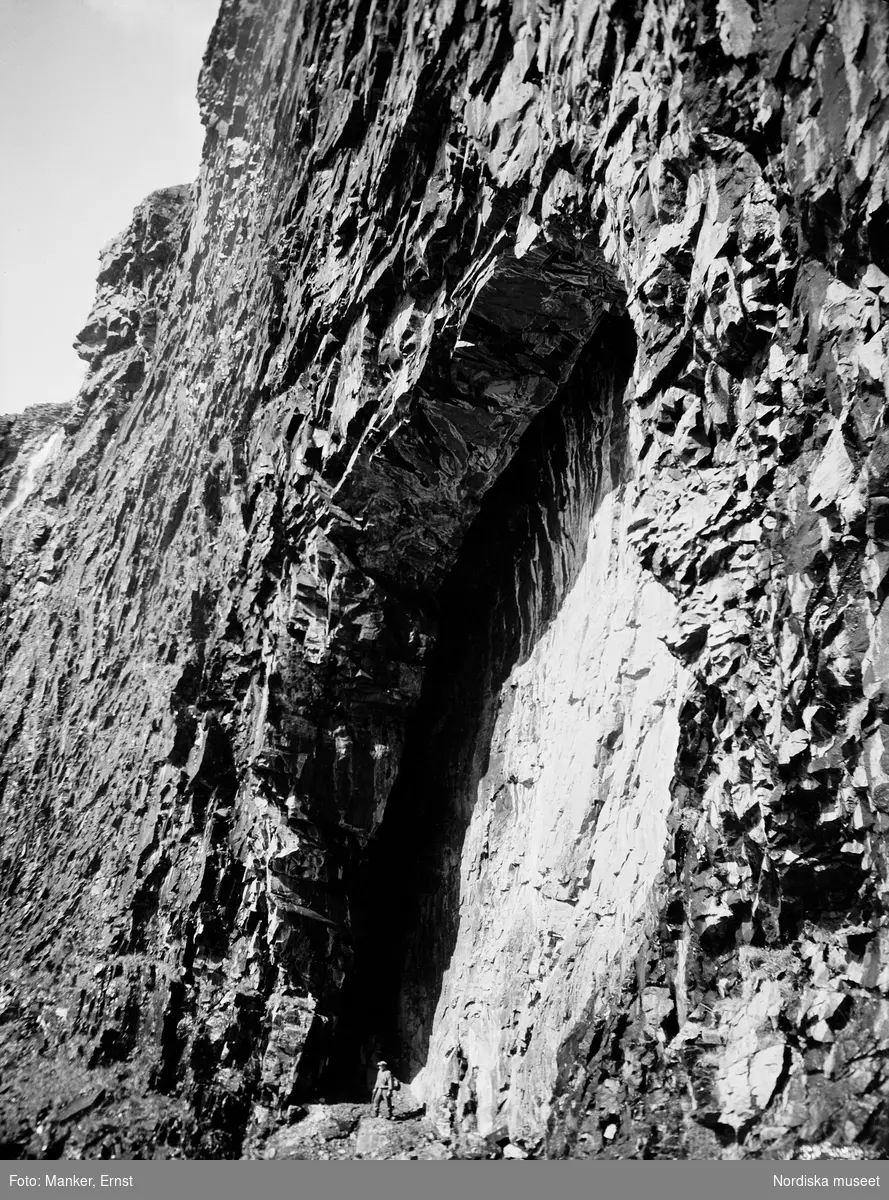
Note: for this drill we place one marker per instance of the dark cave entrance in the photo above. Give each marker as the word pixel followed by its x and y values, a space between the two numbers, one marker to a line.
pixel 518 561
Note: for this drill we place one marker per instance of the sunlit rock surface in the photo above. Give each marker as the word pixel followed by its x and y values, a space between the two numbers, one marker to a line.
pixel 450 621
pixel 28 442
pixel 557 868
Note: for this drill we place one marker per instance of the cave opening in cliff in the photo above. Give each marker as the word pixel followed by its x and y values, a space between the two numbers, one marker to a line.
pixel 517 564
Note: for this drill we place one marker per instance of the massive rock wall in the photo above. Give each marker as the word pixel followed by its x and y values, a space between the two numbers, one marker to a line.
pixel 414 229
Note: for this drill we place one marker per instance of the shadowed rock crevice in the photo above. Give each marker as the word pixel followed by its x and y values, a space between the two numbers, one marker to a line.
pixel 519 560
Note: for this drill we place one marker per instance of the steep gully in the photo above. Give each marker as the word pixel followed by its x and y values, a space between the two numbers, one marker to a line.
pixel 520 558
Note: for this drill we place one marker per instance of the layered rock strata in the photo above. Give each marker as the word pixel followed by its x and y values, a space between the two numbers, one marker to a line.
pixel 610 278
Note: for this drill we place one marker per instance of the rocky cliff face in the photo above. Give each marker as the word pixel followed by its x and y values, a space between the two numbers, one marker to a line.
pixel 451 620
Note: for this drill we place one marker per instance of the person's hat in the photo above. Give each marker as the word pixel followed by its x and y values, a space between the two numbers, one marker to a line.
pixel 382 1063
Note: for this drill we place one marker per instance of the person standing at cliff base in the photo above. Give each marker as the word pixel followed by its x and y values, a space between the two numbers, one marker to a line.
pixel 384 1085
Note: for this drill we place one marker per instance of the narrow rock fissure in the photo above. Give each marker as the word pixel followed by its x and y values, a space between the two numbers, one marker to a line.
pixel 518 562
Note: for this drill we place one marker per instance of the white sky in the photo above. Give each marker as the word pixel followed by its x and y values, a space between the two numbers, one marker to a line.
pixel 97 109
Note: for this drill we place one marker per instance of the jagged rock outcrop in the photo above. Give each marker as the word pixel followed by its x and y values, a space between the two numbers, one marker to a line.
pixel 454 612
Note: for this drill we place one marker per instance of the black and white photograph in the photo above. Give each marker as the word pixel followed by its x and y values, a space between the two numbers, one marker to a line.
pixel 444 538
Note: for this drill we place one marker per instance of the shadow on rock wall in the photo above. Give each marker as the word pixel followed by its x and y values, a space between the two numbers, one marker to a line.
pixel 517 565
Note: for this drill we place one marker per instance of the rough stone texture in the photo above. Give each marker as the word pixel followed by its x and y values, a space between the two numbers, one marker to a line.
pixel 650 237
pixel 556 867
pixel 28 441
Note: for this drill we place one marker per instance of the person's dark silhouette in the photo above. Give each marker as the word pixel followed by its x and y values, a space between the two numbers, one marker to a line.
pixel 384 1086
